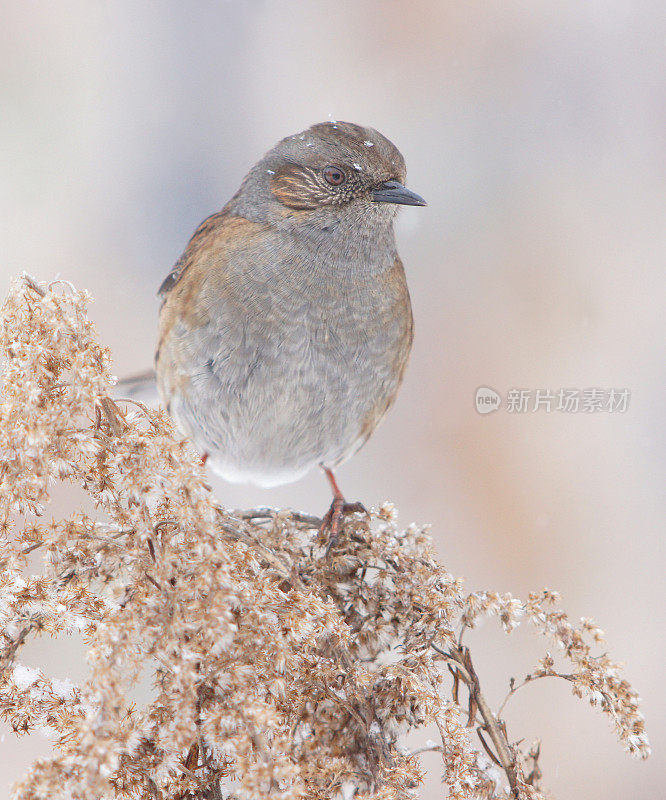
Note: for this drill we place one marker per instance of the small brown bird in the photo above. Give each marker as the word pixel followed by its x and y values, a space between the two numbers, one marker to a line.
pixel 286 324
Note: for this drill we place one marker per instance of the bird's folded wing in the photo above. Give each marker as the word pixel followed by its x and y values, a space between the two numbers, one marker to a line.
pixel 203 233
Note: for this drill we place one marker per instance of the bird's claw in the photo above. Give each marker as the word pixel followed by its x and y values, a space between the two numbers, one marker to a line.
pixel 333 517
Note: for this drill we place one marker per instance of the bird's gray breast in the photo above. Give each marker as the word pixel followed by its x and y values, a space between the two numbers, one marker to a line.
pixel 302 356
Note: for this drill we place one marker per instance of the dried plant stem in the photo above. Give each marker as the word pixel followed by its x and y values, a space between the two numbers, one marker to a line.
pixel 504 754
pixel 530 679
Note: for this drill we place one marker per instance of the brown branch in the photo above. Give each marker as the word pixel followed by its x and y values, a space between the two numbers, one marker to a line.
pixel 268 513
pixel 504 754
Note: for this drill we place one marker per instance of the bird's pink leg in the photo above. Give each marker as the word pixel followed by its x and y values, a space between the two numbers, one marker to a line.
pixel 338 507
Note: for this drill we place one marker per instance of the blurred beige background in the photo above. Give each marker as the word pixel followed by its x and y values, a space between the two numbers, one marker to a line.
pixel 537 133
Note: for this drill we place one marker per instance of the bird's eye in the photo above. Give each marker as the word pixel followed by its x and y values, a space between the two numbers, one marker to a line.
pixel 334 175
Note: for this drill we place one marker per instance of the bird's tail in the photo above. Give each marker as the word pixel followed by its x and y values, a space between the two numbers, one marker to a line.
pixel 141 387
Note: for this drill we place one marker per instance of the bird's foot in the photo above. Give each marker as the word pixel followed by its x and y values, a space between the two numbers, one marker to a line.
pixel 334 516
pixel 336 512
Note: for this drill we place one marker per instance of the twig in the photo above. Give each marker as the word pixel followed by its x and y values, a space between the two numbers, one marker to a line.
pixel 267 513
pixel 530 679
pixel 62 282
pixel 434 748
pixel 462 659
pixel 31 283
pixel 113 416
pixel 486 747
pixel 535 773
pixel 463 628
pixel 153 581
pixel 140 406
pixel 193 776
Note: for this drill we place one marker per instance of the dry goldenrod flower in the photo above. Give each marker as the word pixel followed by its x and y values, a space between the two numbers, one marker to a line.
pixel 278 670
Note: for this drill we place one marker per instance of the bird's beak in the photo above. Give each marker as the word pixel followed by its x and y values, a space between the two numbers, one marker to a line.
pixel 395 192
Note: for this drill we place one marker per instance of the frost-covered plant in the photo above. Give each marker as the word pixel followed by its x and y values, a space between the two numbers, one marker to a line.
pixel 278 669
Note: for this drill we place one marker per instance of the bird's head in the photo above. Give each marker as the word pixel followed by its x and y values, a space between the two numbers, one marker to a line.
pixel 333 170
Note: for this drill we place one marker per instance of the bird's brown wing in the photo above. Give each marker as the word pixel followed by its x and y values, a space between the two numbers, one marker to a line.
pixel 206 282
pixel 202 234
